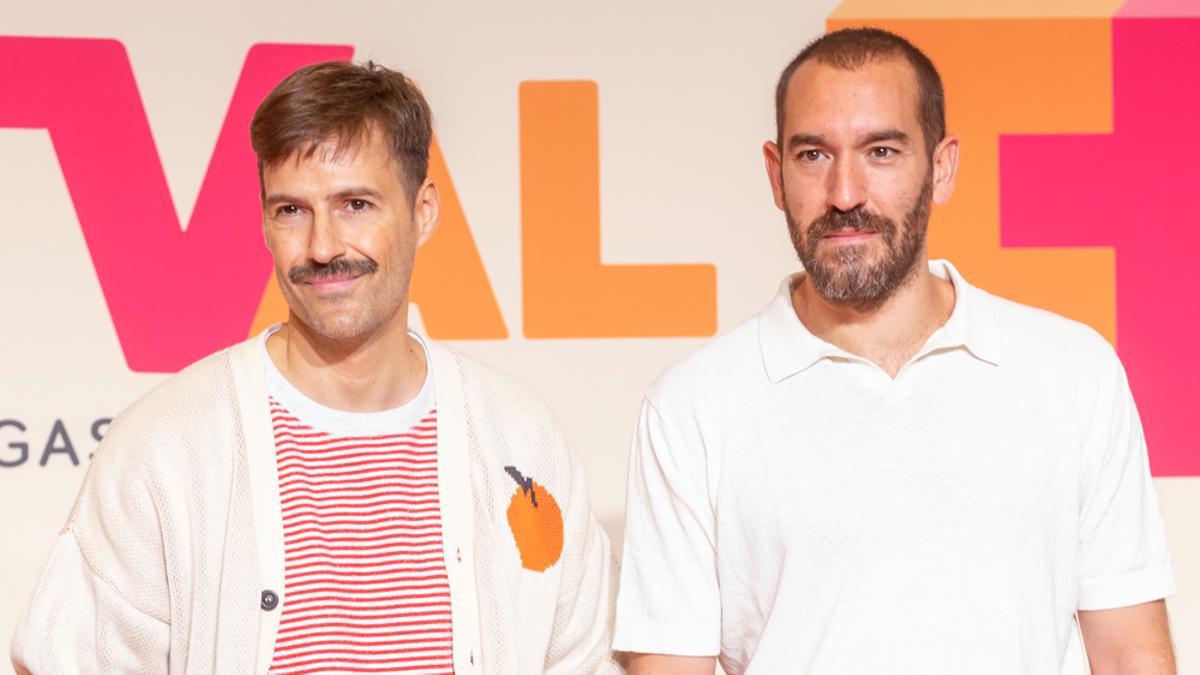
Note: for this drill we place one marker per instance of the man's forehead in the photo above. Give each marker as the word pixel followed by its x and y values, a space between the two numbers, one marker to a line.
pixel 881 85
pixel 367 149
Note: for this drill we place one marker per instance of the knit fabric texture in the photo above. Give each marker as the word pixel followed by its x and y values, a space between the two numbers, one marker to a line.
pixel 157 567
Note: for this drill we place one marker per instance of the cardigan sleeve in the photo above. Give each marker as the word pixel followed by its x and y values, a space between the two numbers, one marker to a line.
pixel 79 622
pixel 102 604
pixel 583 624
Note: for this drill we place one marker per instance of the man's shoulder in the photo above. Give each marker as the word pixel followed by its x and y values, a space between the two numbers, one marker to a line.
pixel 726 362
pixel 490 391
pixel 188 392
pixel 489 380
pixel 173 428
pixel 1039 336
pixel 200 397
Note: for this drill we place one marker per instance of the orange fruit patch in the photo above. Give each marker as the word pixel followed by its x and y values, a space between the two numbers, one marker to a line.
pixel 536 523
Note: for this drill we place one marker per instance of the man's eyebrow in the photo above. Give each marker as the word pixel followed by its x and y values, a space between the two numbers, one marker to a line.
pixel 804 139
pixel 347 193
pixel 277 198
pixel 894 135
pixel 357 191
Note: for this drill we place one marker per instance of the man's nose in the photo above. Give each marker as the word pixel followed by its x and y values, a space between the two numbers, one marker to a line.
pixel 324 242
pixel 847 185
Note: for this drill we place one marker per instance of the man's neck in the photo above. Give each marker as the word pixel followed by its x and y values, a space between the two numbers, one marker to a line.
pixel 889 334
pixel 384 371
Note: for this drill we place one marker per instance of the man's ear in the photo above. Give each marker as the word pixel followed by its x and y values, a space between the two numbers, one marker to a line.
pixel 773 162
pixel 945 168
pixel 426 211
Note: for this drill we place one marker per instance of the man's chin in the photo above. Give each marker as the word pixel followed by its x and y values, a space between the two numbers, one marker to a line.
pixel 852 284
pixel 342 329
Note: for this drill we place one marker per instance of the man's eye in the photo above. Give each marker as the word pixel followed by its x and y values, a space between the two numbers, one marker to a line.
pixel 810 155
pixel 358 204
pixel 882 152
pixel 287 210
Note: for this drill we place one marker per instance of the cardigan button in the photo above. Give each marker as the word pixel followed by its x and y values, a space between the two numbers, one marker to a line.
pixel 269 600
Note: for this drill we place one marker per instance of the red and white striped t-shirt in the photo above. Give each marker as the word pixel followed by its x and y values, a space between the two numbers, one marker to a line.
pixel 365 585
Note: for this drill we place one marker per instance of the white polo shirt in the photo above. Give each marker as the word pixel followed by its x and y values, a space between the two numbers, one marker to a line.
pixel 793 508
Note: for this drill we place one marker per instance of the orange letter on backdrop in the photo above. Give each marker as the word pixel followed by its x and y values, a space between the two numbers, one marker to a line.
pixel 449 283
pixel 568 291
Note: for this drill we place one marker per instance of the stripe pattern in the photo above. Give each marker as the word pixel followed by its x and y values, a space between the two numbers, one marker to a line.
pixel 365 585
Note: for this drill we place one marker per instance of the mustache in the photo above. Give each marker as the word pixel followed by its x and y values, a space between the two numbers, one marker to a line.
pixel 338 267
pixel 856 220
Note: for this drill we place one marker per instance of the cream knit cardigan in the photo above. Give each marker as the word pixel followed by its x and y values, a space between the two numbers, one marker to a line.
pixel 177 531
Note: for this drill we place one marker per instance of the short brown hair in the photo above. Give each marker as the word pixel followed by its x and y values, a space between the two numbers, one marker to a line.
pixel 850 49
pixel 344 102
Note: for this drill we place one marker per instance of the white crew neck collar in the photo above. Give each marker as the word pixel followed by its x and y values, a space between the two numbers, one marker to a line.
pixel 342 422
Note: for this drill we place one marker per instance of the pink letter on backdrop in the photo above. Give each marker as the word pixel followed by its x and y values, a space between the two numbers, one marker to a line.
pixel 1134 190
pixel 174 296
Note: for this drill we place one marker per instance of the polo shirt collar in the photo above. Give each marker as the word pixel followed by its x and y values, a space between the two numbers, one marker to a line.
pixel 789 348
pixel 972 325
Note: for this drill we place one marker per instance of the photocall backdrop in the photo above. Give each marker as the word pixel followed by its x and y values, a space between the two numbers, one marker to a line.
pixel 605 209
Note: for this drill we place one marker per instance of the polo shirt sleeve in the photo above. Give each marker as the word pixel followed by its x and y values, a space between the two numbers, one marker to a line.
pixel 668 601
pixel 1123 558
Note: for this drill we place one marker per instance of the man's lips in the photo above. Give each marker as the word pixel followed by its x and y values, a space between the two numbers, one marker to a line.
pixel 848 236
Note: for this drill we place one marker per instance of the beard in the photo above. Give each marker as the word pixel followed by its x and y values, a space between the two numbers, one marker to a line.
pixel 848 274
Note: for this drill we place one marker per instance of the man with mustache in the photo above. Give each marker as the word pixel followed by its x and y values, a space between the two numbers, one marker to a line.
pixel 339 493
pixel 888 470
